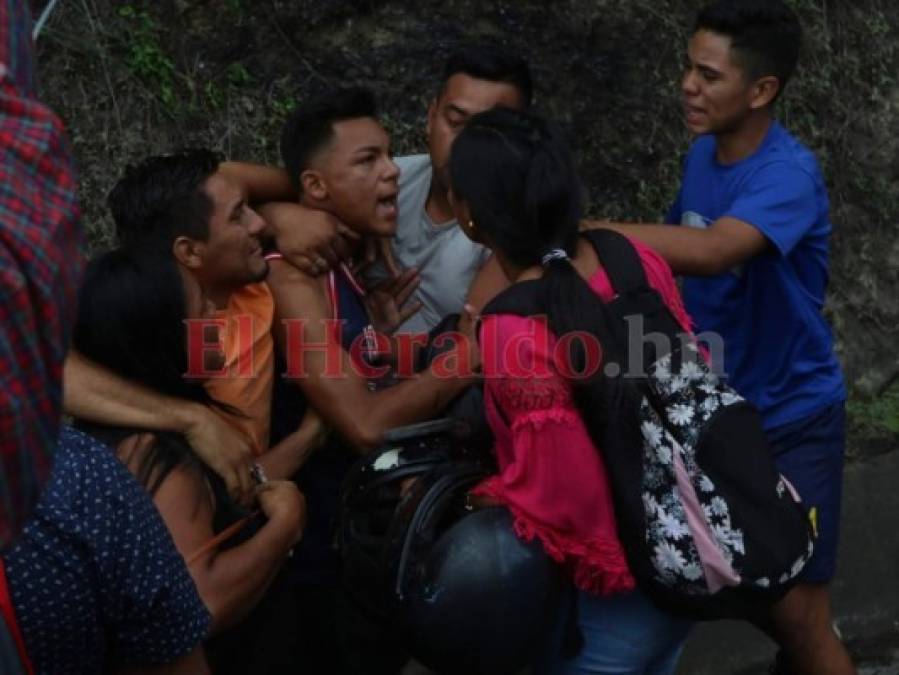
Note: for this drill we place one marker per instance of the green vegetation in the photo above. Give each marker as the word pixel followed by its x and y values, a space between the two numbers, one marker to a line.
pixel 878 417
pixel 145 57
pixel 138 77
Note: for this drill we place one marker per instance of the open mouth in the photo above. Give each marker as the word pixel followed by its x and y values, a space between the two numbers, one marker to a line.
pixel 387 207
pixel 693 114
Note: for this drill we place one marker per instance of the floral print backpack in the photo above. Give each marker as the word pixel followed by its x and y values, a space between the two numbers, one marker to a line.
pixel 710 528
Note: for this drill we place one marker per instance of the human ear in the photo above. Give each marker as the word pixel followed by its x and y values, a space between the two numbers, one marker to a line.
pixel 314 185
pixel 188 252
pixel 764 91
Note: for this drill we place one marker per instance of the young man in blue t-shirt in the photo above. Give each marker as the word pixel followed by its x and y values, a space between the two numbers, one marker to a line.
pixel 753 247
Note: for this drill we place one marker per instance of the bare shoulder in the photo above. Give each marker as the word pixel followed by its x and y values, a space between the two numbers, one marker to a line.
pixel 297 293
pixel 586 262
pixel 281 272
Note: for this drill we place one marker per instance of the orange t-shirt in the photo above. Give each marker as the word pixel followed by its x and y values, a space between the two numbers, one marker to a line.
pixel 249 362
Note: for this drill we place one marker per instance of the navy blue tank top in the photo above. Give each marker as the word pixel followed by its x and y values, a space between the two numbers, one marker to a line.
pixel 315 560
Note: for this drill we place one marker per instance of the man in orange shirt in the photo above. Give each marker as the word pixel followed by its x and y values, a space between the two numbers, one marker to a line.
pixel 198 208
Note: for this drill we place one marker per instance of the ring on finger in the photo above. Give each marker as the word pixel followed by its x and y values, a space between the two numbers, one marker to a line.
pixel 258 474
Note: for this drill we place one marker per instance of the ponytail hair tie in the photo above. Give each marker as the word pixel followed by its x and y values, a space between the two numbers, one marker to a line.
pixel 553 254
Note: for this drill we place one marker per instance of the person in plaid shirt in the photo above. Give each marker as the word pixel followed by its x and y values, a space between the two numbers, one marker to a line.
pixel 41 259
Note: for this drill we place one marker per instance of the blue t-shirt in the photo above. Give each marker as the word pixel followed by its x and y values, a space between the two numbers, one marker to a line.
pixel 95 577
pixel 778 348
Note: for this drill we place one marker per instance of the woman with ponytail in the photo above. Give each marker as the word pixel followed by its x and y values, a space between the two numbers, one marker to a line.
pixel 515 190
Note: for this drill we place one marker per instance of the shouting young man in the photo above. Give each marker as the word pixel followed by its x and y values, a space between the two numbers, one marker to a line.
pixel 427 237
pixel 337 155
pixel 753 245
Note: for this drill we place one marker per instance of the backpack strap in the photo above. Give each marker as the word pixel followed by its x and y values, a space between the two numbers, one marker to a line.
pixel 616 254
pixel 521 299
pixel 634 295
pixel 620 260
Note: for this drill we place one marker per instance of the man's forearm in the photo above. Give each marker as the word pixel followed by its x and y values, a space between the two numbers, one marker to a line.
pixel 685 249
pixel 709 251
pixel 361 417
pixel 262 183
pixel 277 215
pixel 283 460
pixel 421 398
pixel 94 393
pixel 666 240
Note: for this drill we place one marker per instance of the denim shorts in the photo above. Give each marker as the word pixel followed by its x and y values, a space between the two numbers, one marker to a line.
pixel 623 634
pixel 810 453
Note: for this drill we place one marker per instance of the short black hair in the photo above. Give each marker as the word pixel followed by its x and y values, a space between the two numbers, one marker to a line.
pixel 163 198
pixel 311 126
pixel 493 63
pixel 765 35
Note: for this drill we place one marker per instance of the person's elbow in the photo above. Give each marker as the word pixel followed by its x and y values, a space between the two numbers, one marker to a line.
pixel 227 603
pixel 712 256
pixel 224 607
pixel 364 435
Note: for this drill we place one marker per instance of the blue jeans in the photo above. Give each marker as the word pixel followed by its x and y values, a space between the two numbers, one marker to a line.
pixel 623 635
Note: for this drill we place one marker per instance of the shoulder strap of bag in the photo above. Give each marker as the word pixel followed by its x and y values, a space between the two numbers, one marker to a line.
pixel 634 295
pixel 620 260
pixel 521 299
pixel 616 254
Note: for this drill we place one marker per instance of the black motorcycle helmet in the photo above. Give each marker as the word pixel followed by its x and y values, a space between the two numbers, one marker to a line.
pixel 373 491
pixel 464 593
pixel 473 598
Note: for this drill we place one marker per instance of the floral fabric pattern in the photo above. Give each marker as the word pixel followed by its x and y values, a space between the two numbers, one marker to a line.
pixel 685 399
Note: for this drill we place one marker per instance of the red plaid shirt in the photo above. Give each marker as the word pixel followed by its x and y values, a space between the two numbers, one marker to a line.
pixel 41 258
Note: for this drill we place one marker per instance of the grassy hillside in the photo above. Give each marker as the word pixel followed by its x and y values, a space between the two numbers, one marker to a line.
pixel 135 78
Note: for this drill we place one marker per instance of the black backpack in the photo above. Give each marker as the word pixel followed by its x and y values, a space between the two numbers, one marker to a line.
pixel 709 527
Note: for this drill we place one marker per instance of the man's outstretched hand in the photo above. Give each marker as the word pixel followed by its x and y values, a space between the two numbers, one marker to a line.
pixel 387 302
